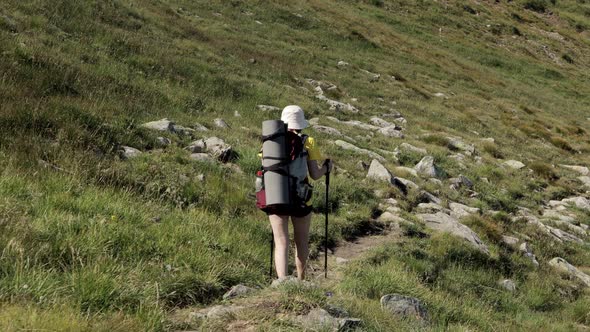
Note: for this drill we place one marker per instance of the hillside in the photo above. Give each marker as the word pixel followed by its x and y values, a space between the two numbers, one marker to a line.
pixel 480 109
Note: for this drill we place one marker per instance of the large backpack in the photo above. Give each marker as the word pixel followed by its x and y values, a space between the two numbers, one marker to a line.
pixel 282 183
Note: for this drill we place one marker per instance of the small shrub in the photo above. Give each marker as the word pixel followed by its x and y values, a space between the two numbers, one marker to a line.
pixel 561 143
pixel 538 6
pixel 493 150
pixel 543 170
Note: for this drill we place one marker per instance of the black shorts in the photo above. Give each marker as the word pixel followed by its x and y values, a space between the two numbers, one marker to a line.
pixel 292 211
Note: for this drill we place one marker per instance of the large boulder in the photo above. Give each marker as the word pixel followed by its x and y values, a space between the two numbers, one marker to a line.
pixel 404 307
pixel 128 152
pixel 444 223
pixel 411 148
pixel 378 172
pixel 460 210
pixel 327 130
pixel 564 267
pixel 380 122
pixel 427 167
pixel 585 181
pixel 580 202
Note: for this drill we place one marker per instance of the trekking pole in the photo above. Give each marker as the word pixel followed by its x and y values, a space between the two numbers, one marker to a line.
pixel 326 223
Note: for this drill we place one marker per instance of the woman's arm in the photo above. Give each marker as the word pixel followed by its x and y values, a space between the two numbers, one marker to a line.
pixel 317 172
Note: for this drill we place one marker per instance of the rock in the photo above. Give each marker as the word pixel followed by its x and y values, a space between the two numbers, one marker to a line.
pixel 445 223
pixel 220 123
pixel 219 149
pixel 391 131
pixel 402 169
pixel 411 148
pixel 199 127
pixel 327 130
pixel 459 210
pixel 313 121
pixel 555 233
pixel 435 181
pixel 380 122
pixel 160 125
pixel 526 250
pixel 508 285
pixel 220 311
pixel 440 95
pixel 404 307
pixel 361 125
pixel 563 266
pixel 426 196
pixel 320 320
pixel 197 146
pixel 164 141
pixel 583 170
pixel 427 167
pixel 202 157
pixel 514 164
pixel 405 182
pixel 128 152
pixel 378 172
pixel 335 105
pixel 388 217
pixel 237 291
pixel 458 144
pixel 460 181
pixel 585 181
pixel 580 202
pixel 431 208
pixel 348 146
pixel 267 108
pixel 342 64
pixel 510 240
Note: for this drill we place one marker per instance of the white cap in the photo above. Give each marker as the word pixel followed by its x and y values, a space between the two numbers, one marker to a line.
pixel 293 116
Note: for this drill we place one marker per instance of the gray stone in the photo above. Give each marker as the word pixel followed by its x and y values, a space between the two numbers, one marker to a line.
pixel 425 195
pixel 335 105
pixel 579 202
pixel 164 141
pixel 585 181
pixel 219 149
pixel 327 130
pixel 389 217
pixel 220 123
pixel 360 125
pixel 407 183
pixel 342 64
pixel 220 311
pixel 321 320
pixel 340 260
pixel 380 122
pixel 555 233
pixel 378 172
pixel 202 157
pixel 440 95
pixel 237 114
pixel 458 144
pixel 460 181
pixel 404 306
pixel 427 167
pixel 197 146
pixel 267 108
pixel 199 127
pixel 564 267
pixel 238 291
pixel 391 131
pixel 444 223
pixel 313 121
pixel 461 210
pixel 411 148
pixel 508 285
pixel 514 164
pixel 128 152
pixel 160 125
pixel 431 208
pixel 510 240
pixel 583 170
pixel 351 147
pixel 183 130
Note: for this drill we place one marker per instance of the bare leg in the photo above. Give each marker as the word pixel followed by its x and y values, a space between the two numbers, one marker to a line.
pixel 280 230
pixel 301 235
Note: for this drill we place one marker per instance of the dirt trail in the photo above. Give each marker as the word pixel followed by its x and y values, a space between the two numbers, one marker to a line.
pixel 348 251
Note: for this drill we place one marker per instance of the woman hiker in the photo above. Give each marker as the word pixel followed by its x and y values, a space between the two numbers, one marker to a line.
pixel 300 215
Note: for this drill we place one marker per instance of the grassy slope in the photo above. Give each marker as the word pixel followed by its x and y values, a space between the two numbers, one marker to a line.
pixel 79 77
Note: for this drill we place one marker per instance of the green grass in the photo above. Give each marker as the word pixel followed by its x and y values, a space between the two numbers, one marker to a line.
pixel 93 242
